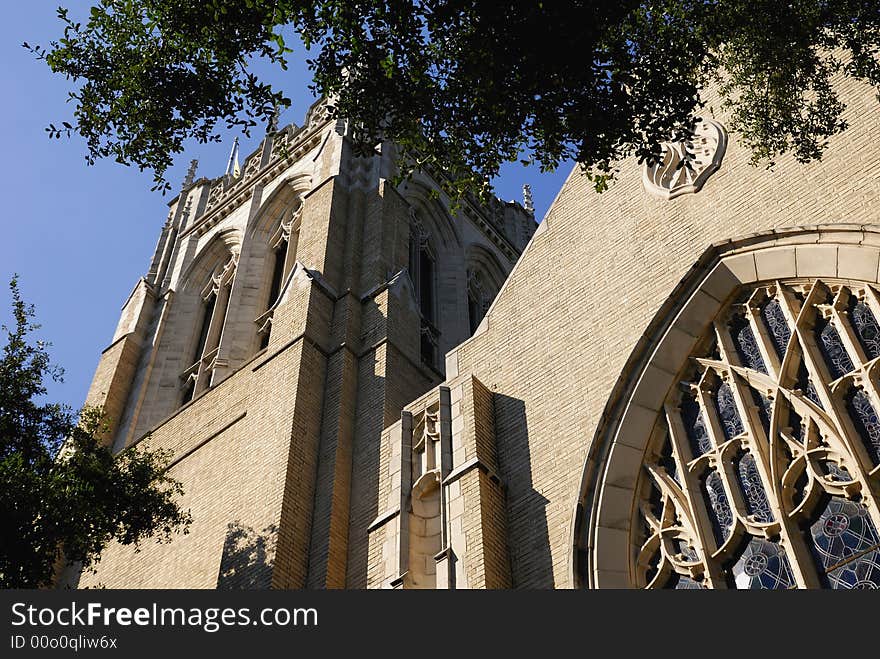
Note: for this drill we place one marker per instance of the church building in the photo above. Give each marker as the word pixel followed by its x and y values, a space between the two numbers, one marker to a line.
pixel 672 384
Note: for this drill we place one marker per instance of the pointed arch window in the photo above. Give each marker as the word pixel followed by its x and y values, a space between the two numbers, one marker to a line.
pixel 764 462
pixel 423 272
pixel 212 317
pixel 485 275
pixel 282 247
pixel 479 298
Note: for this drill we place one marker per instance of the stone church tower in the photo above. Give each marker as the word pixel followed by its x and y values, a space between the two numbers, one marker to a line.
pixel 287 316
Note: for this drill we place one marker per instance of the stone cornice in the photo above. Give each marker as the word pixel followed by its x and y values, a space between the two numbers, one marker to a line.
pixel 240 192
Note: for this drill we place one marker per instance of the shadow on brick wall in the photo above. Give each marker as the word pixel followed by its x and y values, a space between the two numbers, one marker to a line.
pixel 528 539
pixel 247 558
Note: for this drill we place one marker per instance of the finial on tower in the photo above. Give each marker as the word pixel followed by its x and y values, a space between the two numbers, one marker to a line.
pixel 528 204
pixel 233 169
pixel 190 174
pixel 272 126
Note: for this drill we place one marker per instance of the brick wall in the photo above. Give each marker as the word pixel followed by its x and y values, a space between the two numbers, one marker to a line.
pixel 588 285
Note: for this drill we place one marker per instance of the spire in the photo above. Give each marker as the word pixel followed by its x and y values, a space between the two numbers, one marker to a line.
pixel 233 169
pixel 190 174
pixel 528 204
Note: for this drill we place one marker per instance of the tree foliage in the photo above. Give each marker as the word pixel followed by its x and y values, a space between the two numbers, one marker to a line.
pixel 63 494
pixel 466 85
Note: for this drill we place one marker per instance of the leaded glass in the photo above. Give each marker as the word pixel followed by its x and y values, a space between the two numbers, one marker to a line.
pixel 796 424
pixel 746 346
pixel 681 582
pixel 805 446
pixel 687 552
pixel 861 573
pixel 805 384
pixel 695 426
pixel 763 565
pixel 780 333
pixel 845 543
pixel 653 566
pixel 755 496
pixel 836 357
pixel 655 501
pixel 835 472
pixel 719 507
pixel 668 462
pixel 865 420
pixel 727 412
pixel 866 328
pixel 800 487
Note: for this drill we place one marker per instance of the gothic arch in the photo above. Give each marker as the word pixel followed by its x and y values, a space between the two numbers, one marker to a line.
pixel 272 251
pixel 287 196
pixel 433 215
pixel 479 257
pixel 201 311
pixel 211 259
pixel 732 491
pixel 485 277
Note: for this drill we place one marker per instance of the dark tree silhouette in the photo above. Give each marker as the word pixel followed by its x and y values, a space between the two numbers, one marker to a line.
pixel 63 494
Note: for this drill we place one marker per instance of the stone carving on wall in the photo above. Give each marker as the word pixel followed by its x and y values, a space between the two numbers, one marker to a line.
pixel 685 165
pixel 425 540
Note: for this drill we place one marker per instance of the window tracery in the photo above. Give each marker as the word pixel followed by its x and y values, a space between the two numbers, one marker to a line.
pixel 281 256
pixel 763 467
pixel 422 271
pixel 215 302
pixel 479 298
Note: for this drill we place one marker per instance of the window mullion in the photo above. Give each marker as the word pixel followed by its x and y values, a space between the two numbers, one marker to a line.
pixel 690 486
pixel 762 338
pixel 831 400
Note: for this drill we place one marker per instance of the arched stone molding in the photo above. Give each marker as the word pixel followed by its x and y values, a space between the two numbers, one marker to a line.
pixel 480 258
pixel 268 259
pixel 200 313
pixel 433 215
pixel 485 277
pixel 847 255
pixel 207 263
pixel 289 193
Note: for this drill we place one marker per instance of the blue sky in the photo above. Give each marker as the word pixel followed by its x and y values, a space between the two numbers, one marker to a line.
pixel 79 236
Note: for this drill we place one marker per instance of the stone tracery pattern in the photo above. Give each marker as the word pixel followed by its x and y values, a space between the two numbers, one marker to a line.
pixel 764 467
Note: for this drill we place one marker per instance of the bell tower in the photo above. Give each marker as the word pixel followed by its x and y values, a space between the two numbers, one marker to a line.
pixel 288 315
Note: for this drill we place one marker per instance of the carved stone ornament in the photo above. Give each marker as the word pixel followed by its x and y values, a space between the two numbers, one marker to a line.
pixel 686 165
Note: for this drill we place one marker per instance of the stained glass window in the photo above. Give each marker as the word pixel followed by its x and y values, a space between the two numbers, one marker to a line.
pixel 796 424
pixel 685 583
pixel 695 426
pixel 687 552
pixel 719 507
pixel 805 384
pixel 763 565
pixel 836 357
pixel 668 462
pixel 835 472
pixel 746 346
pixel 755 496
pixel 727 412
pixel 780 333
pixel 765 409
pixel 865 420
pixel 846 545
pixel 866 328
pixel 774 534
